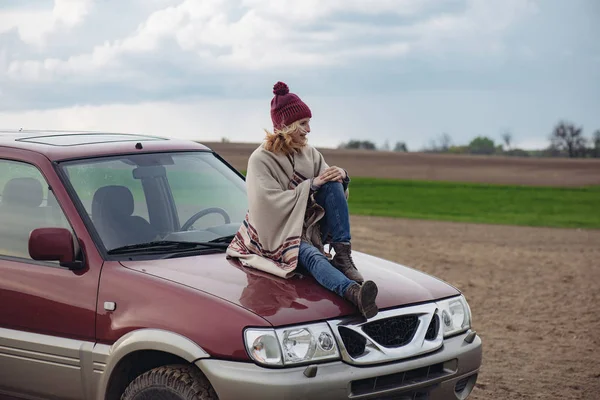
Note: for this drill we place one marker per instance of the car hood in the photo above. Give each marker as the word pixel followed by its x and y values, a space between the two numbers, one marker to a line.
pixel 298 299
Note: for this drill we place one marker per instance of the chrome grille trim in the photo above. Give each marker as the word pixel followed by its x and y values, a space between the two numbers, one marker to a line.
pixel 376 353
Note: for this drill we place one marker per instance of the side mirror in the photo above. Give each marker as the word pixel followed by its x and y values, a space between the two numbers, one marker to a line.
pixel 53 244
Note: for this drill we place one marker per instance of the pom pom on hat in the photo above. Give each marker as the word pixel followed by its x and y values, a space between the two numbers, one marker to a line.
pixel 280 89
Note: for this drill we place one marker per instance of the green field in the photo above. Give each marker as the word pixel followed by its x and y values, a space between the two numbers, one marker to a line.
pixel 466 202
pixel 474 202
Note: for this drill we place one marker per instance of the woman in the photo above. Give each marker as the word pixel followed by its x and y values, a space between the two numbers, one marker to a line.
pixel 297 203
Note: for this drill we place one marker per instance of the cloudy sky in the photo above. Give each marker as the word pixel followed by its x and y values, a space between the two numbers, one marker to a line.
pixel 395 70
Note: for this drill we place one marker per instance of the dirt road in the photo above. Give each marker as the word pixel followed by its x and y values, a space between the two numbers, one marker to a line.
pixel 534 294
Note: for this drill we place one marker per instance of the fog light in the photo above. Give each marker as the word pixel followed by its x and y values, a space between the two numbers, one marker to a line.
pixel 461 385
pixel 464 387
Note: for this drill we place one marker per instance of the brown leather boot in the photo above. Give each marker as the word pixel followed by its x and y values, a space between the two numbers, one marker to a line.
pixel 343 261
pixel 363 296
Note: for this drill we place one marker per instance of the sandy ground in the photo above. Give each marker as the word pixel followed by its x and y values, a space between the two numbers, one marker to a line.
pixel 534 294
pixel 463 168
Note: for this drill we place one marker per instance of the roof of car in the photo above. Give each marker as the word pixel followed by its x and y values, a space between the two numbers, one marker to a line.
pixel 60 145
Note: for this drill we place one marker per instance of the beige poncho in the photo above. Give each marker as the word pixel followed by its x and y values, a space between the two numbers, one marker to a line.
pixel 281 210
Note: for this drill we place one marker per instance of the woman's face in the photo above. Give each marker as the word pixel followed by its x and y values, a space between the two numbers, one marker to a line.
pixel 299 135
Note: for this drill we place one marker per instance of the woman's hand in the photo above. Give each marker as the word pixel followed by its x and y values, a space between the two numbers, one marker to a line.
pixel 332 173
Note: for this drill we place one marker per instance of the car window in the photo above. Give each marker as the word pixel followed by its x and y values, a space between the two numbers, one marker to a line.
pixel 201 183
pixel 25 204
pixel 176 187
pixel 88 179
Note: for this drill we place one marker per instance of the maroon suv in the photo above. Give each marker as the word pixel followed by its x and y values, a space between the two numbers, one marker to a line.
pixel 114 284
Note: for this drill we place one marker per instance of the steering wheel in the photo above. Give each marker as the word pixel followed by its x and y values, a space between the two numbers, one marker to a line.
pixel 202 213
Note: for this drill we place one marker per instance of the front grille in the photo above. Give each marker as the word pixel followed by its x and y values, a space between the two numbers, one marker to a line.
pixel 432 331
pixel 396 334
pixel 393 332
pixel 354 342
pixel 399 380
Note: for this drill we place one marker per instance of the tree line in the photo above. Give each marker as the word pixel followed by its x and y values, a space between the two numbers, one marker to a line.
pixel 565 140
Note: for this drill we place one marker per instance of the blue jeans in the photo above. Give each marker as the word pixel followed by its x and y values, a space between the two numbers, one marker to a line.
pixel 336 223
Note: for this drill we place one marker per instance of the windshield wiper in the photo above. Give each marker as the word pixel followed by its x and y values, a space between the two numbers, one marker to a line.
pixel 165 245
pixel 223 239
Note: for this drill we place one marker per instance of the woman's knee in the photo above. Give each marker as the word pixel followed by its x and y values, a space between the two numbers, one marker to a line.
pixel 315 257
pixel 332 184
pixel 308 252
pixel 333 187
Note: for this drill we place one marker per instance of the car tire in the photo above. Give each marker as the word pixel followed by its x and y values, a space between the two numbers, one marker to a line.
pixel 171 382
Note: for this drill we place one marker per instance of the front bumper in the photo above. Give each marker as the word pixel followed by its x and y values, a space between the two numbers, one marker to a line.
pixel 433 376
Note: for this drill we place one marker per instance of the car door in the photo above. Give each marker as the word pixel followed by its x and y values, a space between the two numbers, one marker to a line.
pixel 47 312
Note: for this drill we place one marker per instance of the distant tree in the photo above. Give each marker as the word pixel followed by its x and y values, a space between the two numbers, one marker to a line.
pixel 368 145
pixel 400 147
pixel 517 153
pixel 552 151
pixel 359 144
pixel 445 142
pixel 224 140
pixel 596 143
pixel 482 145
pixel 567 137
pixel 507 138
pixel 432 147
pixel 440 145
pixel 386 146
pixel 458 150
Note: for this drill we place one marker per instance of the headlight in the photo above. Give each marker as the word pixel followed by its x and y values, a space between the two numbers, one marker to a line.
pixel 455 314
pixel 292 345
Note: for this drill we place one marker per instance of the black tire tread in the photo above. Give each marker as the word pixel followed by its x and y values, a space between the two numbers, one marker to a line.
pixel 185 380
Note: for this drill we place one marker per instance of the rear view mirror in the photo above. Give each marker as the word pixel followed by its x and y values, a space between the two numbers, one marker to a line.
pixel 150 171
pixel 53 244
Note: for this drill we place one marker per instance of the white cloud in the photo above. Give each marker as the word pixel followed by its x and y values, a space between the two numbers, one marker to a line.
pixel 308 10
pixel 30 25
pixel 71 12
pixel 34 26
pixel 253 35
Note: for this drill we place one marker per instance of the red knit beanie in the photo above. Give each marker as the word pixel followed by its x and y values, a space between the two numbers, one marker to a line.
pixel 286 107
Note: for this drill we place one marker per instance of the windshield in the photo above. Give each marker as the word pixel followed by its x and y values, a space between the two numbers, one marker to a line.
pixel 146 198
